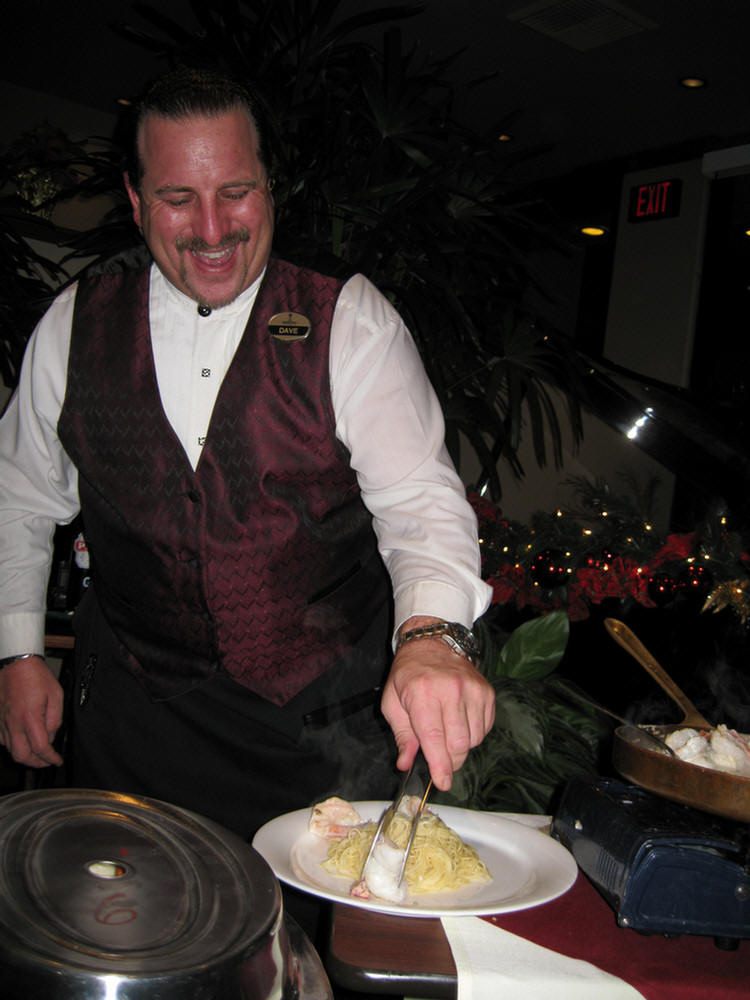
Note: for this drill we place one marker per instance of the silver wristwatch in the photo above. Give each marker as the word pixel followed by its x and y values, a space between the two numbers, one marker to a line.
pixel 461 639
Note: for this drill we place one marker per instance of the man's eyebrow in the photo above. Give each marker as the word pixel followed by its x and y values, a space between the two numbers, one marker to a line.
pixel 184 188
pixel 248 183
pixel 172 188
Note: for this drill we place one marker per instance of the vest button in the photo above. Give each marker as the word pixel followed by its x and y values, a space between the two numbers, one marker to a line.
pixel 193 496
pixel 193 563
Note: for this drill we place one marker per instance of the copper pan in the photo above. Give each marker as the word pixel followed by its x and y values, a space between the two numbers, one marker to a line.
pixel 636 759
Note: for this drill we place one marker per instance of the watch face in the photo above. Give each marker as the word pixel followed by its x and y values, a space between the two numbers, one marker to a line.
pixel 466 640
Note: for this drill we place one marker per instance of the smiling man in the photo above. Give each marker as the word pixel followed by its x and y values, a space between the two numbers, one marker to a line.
pixel 203 203
pixel 269 508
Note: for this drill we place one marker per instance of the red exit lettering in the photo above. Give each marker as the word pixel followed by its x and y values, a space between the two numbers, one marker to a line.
pixel 656 200
pixel 652 198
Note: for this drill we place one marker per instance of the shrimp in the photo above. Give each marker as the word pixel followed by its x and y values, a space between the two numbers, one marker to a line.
pixel 722 749
pixel 381 873
pixel 359 890
pixel 409 805
pixel 333 818
pixel 689 745
pixel 729 751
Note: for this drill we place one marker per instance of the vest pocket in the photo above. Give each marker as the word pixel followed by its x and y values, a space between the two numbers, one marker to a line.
pixel 336 584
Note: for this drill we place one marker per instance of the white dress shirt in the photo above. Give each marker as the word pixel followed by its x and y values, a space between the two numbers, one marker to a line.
pixel 387 415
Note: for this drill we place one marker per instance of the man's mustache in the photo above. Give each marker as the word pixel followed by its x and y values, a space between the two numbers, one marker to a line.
pixel 198 245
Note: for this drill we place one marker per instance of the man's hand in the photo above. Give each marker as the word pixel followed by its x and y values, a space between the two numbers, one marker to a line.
pixel 437 699
pixel 31 707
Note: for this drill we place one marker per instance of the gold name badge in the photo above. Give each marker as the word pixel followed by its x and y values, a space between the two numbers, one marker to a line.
pixel 289 326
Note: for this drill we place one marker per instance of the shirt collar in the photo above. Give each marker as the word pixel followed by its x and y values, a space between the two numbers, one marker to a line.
pixel 178 300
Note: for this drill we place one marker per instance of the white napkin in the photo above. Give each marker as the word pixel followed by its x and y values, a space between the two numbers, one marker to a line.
pixel 493 964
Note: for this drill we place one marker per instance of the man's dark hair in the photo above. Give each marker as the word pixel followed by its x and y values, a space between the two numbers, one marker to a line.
pixel 183 93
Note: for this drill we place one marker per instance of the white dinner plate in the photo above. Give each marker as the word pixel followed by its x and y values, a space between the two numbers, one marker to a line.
pixel 527 867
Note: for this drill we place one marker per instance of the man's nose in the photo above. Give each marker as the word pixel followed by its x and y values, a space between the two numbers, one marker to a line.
pixel 210 223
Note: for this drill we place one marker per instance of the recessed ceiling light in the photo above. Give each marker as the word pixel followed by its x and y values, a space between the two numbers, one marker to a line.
pixel 594 231
pixel 692 82
pixel 504 137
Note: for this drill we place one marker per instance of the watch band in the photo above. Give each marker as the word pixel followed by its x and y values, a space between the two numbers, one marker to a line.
pixel 7 660
pixel 461 639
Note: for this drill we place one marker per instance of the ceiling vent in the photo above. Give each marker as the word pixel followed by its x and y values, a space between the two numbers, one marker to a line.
pixel 582 24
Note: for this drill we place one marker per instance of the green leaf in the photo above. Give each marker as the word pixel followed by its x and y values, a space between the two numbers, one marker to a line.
pixel 535 648
pixel 521 721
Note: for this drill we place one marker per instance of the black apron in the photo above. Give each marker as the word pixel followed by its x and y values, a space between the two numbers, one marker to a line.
pixel 220 750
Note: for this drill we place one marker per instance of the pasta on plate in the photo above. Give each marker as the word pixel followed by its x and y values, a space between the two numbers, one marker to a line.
pixel 439 860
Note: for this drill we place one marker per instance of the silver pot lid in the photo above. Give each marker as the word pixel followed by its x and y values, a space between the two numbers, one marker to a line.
pixel 118 885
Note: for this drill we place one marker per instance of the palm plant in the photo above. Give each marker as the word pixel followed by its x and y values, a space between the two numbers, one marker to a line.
pixel 40 170
pixel 374 174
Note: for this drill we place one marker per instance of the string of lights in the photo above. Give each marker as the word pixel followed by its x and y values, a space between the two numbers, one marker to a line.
pixel 605 547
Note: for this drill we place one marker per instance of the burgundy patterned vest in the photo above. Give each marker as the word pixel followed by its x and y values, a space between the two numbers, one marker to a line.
pixel 263 561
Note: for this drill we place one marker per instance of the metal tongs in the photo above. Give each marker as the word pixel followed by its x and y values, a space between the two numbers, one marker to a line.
pixel 413 783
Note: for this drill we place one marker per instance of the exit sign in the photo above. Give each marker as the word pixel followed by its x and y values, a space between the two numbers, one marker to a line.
pixel 655 200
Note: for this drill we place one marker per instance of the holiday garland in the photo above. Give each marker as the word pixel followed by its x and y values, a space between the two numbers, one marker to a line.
pixel 604 548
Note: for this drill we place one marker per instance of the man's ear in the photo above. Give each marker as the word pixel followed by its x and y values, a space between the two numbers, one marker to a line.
pixel 135 199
